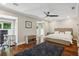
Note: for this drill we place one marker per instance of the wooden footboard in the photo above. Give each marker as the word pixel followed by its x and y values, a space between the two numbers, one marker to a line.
pixel 58 41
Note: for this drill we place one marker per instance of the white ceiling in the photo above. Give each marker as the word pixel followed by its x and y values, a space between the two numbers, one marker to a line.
pixel 64 10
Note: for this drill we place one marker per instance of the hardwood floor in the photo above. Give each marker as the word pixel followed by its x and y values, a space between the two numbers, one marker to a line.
pixel 68 50
pixel 71 50
pixel 16 49
pixel 21 48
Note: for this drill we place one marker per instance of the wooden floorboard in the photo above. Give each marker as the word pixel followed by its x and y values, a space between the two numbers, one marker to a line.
pixel 71 50
pixel 22 48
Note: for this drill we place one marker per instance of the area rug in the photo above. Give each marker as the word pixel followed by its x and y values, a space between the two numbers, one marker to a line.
pixel 43 49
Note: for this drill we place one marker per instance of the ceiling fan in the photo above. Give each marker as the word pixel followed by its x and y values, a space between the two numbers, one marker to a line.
pixel 50 15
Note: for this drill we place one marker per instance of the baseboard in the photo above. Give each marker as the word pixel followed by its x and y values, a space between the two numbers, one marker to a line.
pixel 77 45
pixel 20 43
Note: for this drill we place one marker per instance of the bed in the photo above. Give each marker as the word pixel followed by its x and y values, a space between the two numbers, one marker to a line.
pixel 63 36
pixel 43 49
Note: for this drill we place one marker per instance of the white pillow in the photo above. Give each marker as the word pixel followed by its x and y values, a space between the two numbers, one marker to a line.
pixel 56 32
pixel 68 32
pixel 61 32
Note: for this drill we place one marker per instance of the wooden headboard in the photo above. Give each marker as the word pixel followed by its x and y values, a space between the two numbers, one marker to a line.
pixel 64 29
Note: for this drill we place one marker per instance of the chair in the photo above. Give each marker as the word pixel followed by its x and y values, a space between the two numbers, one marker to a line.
pixel 1 39
pixel 7 44
pixel 4 42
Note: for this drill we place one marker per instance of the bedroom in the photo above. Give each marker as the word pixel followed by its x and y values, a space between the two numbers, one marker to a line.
pixel 30 24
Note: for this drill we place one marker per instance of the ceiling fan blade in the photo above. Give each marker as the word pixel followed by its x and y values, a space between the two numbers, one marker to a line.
pixel 49 15
pixel 53 15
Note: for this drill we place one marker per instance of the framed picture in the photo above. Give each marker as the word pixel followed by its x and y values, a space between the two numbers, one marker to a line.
pixel 28 24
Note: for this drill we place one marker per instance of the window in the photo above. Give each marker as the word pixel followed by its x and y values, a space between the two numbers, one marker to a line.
pixel 6 25
pixel 0 26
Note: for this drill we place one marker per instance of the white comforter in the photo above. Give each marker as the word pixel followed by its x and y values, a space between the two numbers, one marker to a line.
pixel 65 37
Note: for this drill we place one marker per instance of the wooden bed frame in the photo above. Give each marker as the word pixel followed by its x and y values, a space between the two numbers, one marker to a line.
pixel 62 41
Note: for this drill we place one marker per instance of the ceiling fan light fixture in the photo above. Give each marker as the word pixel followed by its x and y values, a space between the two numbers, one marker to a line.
pixel 73 7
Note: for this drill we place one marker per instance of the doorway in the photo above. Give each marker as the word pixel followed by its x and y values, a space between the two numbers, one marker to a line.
pixel 40 32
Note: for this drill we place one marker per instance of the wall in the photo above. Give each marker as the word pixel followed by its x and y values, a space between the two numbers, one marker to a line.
pixel 22 31
pixel 46 27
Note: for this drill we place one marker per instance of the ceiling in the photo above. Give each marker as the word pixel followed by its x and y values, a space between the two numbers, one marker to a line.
pixel 64 10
